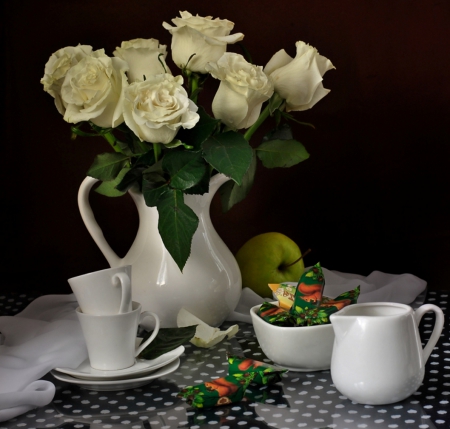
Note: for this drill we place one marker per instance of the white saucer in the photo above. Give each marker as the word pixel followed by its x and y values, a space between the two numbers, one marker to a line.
pixel 112 385
pixel 140 368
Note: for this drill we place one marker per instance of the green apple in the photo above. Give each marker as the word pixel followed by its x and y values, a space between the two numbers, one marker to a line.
pixel 268 258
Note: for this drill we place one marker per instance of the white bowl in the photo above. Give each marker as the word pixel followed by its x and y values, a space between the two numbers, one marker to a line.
pixel 302 348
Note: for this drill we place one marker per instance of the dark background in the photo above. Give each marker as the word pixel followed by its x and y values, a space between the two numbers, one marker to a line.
pixel 372 196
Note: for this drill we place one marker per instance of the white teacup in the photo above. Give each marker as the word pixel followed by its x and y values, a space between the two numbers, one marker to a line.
pixel 111 340
pixel 104 292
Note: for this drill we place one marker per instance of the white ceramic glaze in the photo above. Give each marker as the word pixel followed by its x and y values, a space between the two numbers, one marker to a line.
pixel 103 292
pixel 140 368
pixel 303 348
pixel 377 356
pixel 209 286
pixel 114 385
pixel 111 340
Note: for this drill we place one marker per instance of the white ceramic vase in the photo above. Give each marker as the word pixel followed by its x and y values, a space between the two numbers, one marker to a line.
pixel 210 284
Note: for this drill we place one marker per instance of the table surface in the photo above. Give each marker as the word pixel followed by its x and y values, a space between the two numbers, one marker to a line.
pixel 300 400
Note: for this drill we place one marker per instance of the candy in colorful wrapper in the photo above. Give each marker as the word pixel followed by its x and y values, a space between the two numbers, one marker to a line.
pixel 222 391
pixel 310 307
pixel 308 294
pixel 264 373
pixel 285 294
pixel 275 315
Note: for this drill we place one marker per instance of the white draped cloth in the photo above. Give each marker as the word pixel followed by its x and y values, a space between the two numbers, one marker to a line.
pixel 47 334
pixel 376 287
pixel 44 336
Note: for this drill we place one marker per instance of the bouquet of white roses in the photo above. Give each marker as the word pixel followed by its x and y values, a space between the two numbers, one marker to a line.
pixel 164 141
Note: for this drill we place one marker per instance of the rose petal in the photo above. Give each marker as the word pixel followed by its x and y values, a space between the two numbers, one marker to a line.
pixel 205 335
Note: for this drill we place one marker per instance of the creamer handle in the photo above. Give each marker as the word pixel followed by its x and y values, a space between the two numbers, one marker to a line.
pixel 437 330
pixel 91 223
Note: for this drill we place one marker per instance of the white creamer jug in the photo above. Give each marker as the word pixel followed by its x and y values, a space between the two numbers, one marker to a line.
pixel 377 353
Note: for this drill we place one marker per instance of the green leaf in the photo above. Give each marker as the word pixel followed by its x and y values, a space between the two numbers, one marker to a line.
pixel 135 174
pixel 202 130
pixel 109 188
pixel 201 187
pixel 281 153
pixel 231 193
pixel 167 339
pixel 229 153
pixel 146 159
pixel 177 225
pixel 153 186
pixel 185 168
pixel 106 166
pixel 283 132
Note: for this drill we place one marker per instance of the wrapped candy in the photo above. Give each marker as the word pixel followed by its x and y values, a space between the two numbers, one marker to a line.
pixel 275 315
pixel 285 294
pixel 230 389
pixel 222 391
pixel 309 289
pixel 264 372
pixel 309 306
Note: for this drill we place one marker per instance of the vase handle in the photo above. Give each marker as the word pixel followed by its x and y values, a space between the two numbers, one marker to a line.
pixel 91 223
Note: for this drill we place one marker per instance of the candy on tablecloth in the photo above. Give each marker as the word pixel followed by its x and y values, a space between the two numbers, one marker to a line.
pixel 309 307
pixel 222 391
pixel 231 389
pixel 264 372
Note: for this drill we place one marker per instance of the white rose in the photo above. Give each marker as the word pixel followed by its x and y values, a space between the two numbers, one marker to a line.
pixel 299 80
pixel 205 37
pixel 145 57
pixel 156 108
pixel 92 89
pixel 243 89
pixel 56 69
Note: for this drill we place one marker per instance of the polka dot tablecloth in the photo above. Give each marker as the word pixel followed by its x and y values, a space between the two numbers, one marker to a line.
pixel 301 400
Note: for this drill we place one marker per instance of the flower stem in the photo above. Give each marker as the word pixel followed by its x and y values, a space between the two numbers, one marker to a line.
pixel 157 150
pixel 111 139
pixel 107 135
pixel 262 117
pixel 193 81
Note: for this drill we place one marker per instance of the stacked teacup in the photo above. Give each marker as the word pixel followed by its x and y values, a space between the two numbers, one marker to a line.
pixel 109 318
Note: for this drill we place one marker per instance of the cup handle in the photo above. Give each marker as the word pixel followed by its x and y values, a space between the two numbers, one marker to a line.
pixel 438 326
pixel 154 333
pixel 123 280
